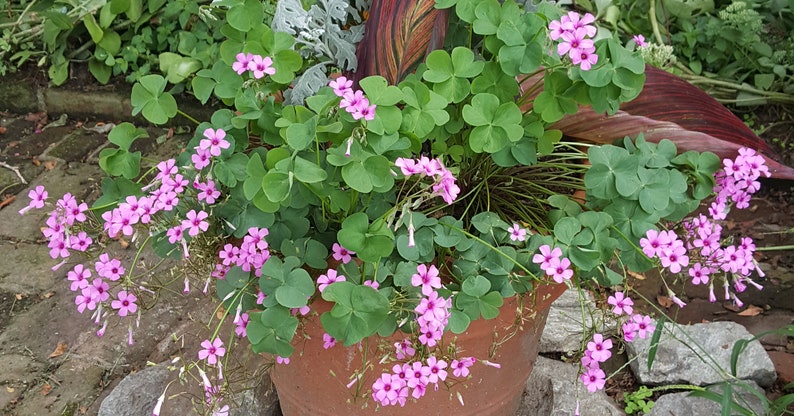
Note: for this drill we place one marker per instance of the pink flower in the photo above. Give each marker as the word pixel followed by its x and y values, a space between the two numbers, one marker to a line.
pixel 546 255
pixel 125 303
pixel 594 379
pixel 242 63
pixel 212 350
pixel 426 277
pixel 364 110
pixel 700 274
pixel 241 325
pixel 341 86
pixel 559 269
pixel 215 141
pixel 643 325
pixel 37 197
pixel 407 166
pixel 201 159
pixel 387 389
pixel 585 58
pixel 261 66
pixel 372 283
pixel 208 191
pixel 195 223
pixel 328 341
pixel 674 258
pixel 79 277
pixel 460 368
pixel 80 242
pixel 352 100
pixel 437 372
pixel 599 348
pixel 517 233
pixel 654 243
pixel 342 254
pixel 282 360
pixel 404 349
pixel 574 42
pixel 640 41
pixel 621 303
pixel 330 277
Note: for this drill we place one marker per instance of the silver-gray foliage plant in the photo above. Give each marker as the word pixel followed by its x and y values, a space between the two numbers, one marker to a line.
pixel 320 30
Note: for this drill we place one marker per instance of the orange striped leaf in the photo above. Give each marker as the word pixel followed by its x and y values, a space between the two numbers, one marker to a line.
pixel 399 34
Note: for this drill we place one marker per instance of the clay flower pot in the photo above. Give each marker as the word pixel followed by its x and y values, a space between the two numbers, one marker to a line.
pixel 315 382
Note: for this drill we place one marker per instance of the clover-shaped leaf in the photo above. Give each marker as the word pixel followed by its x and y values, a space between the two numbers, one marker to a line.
pixel 613 172
pixel 424 109
pixel 494 81
pixel 272 331
pixel 497 125
pixel 370 242
pixel 357 313
pixel 286 282
pixel 523 49
pixel 475 298
pixel 450 73
pixel 378 91
pixel 149 98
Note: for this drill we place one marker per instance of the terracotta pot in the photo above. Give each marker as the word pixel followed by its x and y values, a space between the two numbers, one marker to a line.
pixel 315 381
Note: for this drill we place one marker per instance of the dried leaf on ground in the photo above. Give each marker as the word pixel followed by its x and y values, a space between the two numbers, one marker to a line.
pixel 3 130
pixel 20 296
pixel 664 301
pixel 48 295
pixel 751 310
pixel 7 201
pixel 638 276
pixel 46 389
pixel 59 350
pixel 9 389
pixel 50 164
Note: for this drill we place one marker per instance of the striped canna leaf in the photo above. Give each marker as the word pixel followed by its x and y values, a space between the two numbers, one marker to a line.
pixel 398 36
pixel 671 108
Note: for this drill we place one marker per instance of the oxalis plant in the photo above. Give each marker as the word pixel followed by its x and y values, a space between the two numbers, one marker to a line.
pixel 412 209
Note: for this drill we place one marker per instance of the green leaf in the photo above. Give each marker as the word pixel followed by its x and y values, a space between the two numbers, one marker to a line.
pixel 94 30
pixel 494 81
pixel 370 242
pixel 308 172
pixel 149 97
pixel 246 16
pixel 523 49
pixel 277 185
pixel 379 92
pixel 358 311
pixel 657 334
pixel 124 134
pixel 497 125
pixel 255 171
pixel 476 286
pixel 176 67
pixel 272 331
pixel 290 285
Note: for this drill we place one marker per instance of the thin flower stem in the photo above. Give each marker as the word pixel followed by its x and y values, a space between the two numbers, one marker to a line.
pixel 187 116
pixel 485 243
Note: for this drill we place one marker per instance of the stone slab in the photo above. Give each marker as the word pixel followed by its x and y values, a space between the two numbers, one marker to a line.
pixel 688 354
pixel 77 178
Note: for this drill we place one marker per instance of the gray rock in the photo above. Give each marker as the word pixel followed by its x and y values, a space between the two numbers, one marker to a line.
pixel 688 354
pixel 554 388
pixel 136 394
pixel 680 404
pixel 565 326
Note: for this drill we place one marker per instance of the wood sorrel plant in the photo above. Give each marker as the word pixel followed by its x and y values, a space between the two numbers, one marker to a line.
pixel 449 195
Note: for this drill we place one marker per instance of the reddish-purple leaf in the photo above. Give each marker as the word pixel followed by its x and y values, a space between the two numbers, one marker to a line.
pixel 399 34
pixel 671 108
